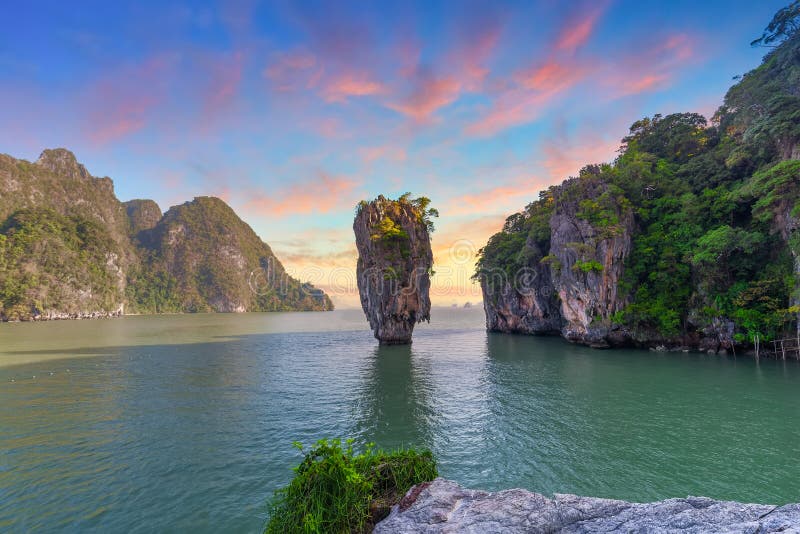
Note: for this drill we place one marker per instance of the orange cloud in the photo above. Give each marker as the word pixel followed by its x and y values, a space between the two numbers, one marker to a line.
pixel 501 197
pixel 321 195
pixel 564 158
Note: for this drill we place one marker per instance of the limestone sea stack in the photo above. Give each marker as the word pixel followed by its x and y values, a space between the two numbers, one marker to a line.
pixel 394 265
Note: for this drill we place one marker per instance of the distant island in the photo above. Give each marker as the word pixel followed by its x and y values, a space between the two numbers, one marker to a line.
pixel 690 239
pixel 70 249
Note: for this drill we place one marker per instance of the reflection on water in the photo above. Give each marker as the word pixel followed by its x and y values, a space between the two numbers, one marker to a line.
pixel 190 427
pixel 392 404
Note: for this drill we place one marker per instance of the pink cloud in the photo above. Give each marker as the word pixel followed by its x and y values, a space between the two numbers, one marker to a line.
pixel 652 68
pixel 552 76
pixel 374 153
pixel 291 71
pixel 578 29
pixel 521 105
pixel 119 104
pixel 226 76
pixel 340 87
pixel 429 95
pixel 301 71
pixel 323 194
pixel 479 36
pixel 328 127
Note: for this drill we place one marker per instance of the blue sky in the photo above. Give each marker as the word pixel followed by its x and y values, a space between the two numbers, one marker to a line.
pixel 293 111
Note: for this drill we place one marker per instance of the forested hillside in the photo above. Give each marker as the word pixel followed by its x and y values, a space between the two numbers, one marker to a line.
pixel 69 248
pixel 688 239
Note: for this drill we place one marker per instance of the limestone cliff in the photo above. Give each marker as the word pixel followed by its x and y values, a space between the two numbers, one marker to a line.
pixel 591 230
pixel 568 282
pixel 394 265
pixel 524 302
pixel 70 249
pixel 143 214
pixel 444 506
pixel 687 240
pixel 218 263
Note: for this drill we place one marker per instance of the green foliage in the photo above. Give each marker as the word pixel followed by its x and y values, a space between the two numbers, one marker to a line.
pixel 201 254
pixel 421 206
pixel 783 25
pixel 590 266
pixel 516 245
pixel 50 261
pixel 713 204
pixel 337 490
pixel 677 137
pixel 389 231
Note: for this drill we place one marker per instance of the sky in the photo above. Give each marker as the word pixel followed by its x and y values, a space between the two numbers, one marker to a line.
pixel 292 112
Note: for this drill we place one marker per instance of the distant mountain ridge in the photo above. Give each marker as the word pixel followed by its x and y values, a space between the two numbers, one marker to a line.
pixel 69 249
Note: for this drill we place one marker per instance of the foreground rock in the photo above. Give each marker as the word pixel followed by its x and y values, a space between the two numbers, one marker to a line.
pixel 444 506
pixel 394 265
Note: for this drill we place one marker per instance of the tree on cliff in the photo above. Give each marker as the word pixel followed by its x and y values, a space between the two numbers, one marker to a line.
pixel 717 212
pixel 783 25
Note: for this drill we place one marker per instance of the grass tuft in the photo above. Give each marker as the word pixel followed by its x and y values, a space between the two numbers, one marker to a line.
pixel 336 490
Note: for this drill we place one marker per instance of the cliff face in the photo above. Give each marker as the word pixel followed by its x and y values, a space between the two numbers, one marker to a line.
pixel 143 214
pixel 220 264
pixel 394 265
pixel 571 287
pixel 444 506
pixel 524 303
pixel 689 239
pixel 591 232
pixel 70 249
pixel 64 244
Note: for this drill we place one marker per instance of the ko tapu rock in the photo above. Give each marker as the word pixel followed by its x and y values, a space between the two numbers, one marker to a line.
pixel 394 264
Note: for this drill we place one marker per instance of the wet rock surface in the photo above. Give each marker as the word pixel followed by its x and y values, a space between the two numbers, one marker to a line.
pixel 444 506
pixel 394 266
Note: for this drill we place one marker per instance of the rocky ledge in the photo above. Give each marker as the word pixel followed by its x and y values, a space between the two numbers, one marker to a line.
pixel 444 506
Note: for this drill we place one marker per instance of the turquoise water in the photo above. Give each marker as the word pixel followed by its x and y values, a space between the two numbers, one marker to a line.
pixel 174 423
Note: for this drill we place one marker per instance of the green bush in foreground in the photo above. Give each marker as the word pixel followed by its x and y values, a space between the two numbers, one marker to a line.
pixel 336 490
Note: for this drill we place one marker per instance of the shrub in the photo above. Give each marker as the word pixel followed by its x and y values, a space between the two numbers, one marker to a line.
pixel 337 490
pixel 588 266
